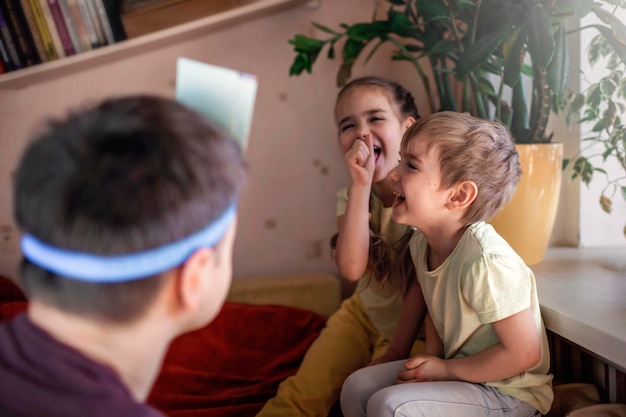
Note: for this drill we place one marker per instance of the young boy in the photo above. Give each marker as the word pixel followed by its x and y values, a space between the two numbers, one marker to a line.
pixel 128 210
pixel 486 347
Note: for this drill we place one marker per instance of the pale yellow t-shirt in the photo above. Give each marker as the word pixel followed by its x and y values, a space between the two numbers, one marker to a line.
pixel 481 282
pixel 382 303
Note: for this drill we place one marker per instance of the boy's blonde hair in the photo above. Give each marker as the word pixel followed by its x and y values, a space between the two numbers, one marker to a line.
pixel 471 149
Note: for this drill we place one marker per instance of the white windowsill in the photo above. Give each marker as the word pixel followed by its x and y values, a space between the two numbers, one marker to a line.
pixel 582 292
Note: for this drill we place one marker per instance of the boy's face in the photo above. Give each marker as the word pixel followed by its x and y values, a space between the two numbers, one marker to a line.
pixel 420 201
pixel 369 109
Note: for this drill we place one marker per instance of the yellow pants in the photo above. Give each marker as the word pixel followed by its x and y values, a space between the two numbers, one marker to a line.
pixel 347 343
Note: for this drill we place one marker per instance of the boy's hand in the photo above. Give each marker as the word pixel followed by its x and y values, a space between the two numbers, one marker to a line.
pixel 423 368
pixel 361 160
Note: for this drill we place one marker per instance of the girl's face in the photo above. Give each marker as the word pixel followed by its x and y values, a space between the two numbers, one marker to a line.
pixel 416 181
pixel 369 109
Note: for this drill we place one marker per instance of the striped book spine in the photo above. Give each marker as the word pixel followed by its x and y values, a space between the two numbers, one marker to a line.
pixel 54 33
pixel 9 43
pixel 104 21
pixel 34 30
pixel 91 31
pixel 77 18
pixel 70 26
pixel 44 32
pixel 64 35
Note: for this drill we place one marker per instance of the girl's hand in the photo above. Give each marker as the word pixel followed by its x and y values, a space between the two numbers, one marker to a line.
pixel 423 368
pixel 361 160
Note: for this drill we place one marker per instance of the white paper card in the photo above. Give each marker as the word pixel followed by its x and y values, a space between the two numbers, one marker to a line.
pixel 224 95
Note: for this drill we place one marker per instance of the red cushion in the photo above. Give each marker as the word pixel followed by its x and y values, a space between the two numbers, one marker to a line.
pixel 9 291
pixel 234 365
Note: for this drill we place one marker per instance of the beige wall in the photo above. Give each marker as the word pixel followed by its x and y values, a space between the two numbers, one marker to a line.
pixel 287 211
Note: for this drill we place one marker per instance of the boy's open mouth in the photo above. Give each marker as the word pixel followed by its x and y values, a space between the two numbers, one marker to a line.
pixel 399 199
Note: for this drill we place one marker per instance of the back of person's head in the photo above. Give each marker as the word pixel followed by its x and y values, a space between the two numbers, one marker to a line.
pixel 398 95
pixel 126 176
pixel 471 149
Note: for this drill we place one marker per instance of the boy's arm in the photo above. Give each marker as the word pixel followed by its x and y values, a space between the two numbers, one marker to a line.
pixel 434 345
pixel 409 323
pixel 518 349
pixel 353 242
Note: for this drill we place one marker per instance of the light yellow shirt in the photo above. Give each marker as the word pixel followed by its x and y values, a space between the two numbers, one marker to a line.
pixel 382 303
pixel 481 282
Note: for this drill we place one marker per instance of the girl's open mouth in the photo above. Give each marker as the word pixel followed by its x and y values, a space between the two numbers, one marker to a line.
pixel 377 152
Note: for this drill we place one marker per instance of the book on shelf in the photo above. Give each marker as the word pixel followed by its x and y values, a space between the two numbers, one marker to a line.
pixel 54 33
pixel 13 61
pixel 57 16
pixel 44 32
pixel 95 20
pixel 4 56
pixel 39 31
pixel 20 33
pixel 79 25
pixel 104 21
pixel 31 25
pixel 113 12
pixel 71 26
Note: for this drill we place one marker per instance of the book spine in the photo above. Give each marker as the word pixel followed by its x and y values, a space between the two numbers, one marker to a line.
pixel 57 16
pixel 91 31
pixel 103 18
pixel 115 19
pixel 93 15
pixel 16 63
pixel 83 36
pixel 4 57
pixel 34 31
pixel 23 42
pixel 54 33
pixel 70 25
pixel 44 32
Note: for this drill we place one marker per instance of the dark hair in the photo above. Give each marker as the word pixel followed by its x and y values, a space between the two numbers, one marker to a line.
pixel 399 95
pixel 381 263
pixel 126 175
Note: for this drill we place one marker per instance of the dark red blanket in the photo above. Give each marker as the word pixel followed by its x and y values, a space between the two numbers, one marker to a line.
pixel 230 367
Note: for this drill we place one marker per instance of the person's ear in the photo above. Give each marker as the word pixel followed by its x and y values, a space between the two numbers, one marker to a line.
pixel 192 278
pixel 463 195
pixel 408 122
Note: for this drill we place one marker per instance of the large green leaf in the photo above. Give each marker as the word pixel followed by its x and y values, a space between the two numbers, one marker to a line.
pixel 432 10
pixel 618 28
pixel 364 32
pixel 401 25
pixel 474 56
pixel 559 65
pixel 540 37
pixel 514 57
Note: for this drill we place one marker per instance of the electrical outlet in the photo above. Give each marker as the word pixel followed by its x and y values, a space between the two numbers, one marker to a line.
pixel 9 239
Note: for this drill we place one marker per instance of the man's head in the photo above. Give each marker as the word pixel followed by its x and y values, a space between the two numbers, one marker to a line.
pixel 131 181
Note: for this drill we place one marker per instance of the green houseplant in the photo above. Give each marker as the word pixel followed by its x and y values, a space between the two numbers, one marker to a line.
pixel 497 59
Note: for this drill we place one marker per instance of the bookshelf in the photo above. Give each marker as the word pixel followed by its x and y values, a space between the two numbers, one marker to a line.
pixel 151 41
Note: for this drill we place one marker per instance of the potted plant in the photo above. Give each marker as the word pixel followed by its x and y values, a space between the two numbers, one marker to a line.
pixel 505 60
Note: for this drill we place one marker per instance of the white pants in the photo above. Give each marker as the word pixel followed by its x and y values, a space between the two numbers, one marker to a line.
pixel 373 392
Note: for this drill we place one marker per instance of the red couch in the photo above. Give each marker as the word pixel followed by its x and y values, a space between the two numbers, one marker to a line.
pixel 231 367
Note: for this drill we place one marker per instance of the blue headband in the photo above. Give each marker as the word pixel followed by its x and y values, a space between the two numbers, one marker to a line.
pixel 121 268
